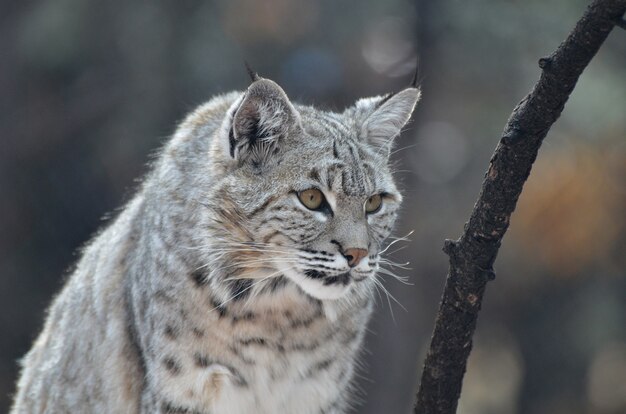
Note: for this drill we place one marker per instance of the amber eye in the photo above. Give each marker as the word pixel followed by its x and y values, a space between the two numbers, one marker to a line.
pixel 372 205
pixel 311 198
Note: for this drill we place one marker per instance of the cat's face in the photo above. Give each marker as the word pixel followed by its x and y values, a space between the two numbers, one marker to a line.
pixel 314 191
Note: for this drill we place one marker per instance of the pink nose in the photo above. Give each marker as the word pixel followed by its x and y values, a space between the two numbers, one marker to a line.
pixel 354 256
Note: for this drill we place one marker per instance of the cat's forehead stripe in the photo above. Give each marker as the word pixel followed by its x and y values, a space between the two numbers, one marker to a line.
pixel 337 124
pixel 349 174
pixel 330 128
pixel 345 172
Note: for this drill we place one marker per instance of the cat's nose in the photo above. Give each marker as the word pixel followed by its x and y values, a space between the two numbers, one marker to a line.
pixel 354 256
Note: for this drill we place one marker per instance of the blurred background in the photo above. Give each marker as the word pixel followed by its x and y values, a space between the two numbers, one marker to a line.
pixel 89 90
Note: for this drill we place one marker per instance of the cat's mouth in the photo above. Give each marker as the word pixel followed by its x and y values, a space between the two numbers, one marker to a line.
pixel 326 279
pixel 322 284
pixel 324 275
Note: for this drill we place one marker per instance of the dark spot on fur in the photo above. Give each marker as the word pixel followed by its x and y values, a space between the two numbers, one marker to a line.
pixel 256 166
pixel 314 274
pixel 219 307
pixel 247 316
pixel 171 332
pixel 197 332
pixel 322 365
pixel 201 361
pixel 237 352
pixel 171 365
pixel 240 289
pixel 315 175
pixel 276 284
pixel 253 341
pixel 301 346
pixel 199 278
pixel 170 408
pixel 304 323
pixel 343 279
pixel 318 367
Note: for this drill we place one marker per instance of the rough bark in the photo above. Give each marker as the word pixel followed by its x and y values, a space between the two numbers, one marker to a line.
pixel 472 256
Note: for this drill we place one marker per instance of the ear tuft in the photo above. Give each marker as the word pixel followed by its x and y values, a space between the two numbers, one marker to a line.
pixel 254 76
pixel 415 75
pixel 386 116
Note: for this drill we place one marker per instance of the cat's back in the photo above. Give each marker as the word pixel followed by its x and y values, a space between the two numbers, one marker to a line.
pixel 85 355
pixel 91 315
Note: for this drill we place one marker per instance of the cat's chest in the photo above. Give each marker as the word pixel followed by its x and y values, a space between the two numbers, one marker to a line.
pixel 298 367
pixel 293 358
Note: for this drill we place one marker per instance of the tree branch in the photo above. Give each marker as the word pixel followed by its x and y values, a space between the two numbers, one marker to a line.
pixel 472 256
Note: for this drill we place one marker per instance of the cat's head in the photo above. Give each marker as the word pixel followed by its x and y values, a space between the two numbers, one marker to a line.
pixel 308 194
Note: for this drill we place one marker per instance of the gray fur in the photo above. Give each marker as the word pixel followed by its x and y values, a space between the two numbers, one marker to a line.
pixel 216 291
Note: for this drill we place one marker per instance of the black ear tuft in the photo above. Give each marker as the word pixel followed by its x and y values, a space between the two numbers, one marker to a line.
pixel 413 84
pixel 415 75
pixel 252 73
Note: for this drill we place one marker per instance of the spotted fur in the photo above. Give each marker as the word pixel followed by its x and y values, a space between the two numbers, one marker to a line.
pixel 216 291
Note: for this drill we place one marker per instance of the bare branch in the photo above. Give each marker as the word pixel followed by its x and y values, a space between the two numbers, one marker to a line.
pixel 472 256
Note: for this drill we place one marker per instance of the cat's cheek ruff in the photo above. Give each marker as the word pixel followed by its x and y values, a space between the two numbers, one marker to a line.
pixel 312 287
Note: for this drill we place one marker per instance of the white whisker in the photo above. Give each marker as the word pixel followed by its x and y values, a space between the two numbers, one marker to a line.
pixel 389 295
pixel 402 279
pixel 396 240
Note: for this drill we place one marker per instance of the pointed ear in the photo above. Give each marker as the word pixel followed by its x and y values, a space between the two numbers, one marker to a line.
pixel 259 121
pixel 384 117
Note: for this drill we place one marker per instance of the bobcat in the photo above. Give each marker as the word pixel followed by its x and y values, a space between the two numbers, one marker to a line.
pixel 240 278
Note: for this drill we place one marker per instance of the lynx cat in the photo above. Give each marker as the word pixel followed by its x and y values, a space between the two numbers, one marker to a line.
pixel 240 278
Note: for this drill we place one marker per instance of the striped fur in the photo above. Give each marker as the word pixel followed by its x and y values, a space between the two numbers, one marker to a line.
pixel 216 291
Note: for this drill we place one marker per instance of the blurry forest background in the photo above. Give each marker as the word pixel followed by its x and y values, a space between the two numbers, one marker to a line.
pixel 89 90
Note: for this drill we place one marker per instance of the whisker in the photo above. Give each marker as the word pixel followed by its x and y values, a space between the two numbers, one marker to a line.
pixel 399 239
pixel 386 292
pixel 377 290
pixel 259 261
pixel 386 261
pixel 389 295
pixel 244 267
pixel 402 279
pixel 397 250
